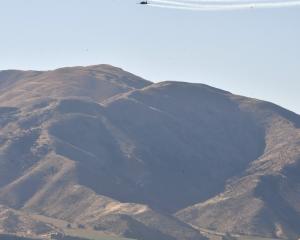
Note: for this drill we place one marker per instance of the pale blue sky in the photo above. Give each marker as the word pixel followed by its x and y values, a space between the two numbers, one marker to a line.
pixel 254 52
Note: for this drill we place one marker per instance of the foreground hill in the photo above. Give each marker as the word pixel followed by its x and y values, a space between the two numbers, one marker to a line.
pixel 264 199
pixel 100 148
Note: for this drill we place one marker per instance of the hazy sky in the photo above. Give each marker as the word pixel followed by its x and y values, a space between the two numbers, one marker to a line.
pixel 254 52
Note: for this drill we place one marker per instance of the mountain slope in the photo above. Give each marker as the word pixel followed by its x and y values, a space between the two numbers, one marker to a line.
pixel 52 146
pixel 99 147
pixel 264 200
pixel 94 83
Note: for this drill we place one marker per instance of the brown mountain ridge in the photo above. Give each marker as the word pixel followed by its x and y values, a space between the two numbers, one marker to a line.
pixel 102 148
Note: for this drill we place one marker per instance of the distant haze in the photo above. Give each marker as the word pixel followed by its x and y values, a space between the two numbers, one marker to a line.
pixel 252 52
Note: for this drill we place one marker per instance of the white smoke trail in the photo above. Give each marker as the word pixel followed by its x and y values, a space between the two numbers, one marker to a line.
pixel 209 3
pixel 215 5
pixel 189 8
pixel 198 8
pixel 231 1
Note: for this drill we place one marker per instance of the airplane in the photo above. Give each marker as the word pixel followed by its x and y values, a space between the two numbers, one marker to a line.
pixel 144 2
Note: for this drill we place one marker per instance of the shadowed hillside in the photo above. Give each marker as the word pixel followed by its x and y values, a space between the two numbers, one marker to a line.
pixel 103 149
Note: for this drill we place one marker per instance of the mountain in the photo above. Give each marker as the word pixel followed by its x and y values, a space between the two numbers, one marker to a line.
pixel 106 151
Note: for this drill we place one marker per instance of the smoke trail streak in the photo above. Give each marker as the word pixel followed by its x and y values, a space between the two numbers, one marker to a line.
pixel 197 8
pixel 232 1
pixel 212 5
pixel 227 3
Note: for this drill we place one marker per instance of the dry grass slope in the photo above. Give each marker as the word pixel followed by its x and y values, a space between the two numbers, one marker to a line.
pixel 107 152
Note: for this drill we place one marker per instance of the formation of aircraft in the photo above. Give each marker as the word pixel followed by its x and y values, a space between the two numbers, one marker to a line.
pixel 144 2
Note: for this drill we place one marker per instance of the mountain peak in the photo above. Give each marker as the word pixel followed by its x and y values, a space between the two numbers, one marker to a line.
pixel 99 147
pixel 96 83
